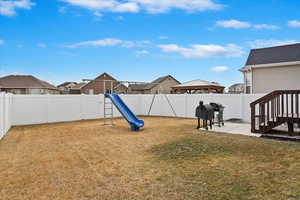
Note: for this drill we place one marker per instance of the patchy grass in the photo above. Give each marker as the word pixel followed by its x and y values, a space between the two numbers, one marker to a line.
pixel 168 159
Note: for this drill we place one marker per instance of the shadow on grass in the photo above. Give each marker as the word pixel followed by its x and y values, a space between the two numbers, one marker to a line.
pixel 219 166
pixel 187 148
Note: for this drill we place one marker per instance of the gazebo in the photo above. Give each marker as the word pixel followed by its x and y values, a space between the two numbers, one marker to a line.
pixel 198 86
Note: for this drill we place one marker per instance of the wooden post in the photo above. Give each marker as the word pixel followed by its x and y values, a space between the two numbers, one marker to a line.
pixel 253 130
pixel 291 128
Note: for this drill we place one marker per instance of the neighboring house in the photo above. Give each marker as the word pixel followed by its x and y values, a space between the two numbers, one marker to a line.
pixel 65 87
pixel 120 89
pixel 274 68
pixel 237 88
pixel 198 86
pixel 99 85
pixel 26 84
pixel 160 85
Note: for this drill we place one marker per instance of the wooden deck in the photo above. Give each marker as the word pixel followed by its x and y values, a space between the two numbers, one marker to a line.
pixel 281 137
pixel 273 110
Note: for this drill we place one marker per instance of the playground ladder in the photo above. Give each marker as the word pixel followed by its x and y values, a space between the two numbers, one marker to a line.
pixel 108 112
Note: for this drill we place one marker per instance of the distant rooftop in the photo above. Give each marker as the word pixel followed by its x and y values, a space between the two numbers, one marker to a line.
pixel 148 86
pixel 198 82
pixel 79 86
pixel 24 81
pixel 66 83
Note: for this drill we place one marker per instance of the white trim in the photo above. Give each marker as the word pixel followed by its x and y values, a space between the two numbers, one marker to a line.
pixel 273 65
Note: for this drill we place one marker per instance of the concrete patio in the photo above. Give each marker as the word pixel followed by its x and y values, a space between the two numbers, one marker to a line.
pixel 235 128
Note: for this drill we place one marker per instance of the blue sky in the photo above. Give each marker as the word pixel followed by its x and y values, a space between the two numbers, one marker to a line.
pixel 139 40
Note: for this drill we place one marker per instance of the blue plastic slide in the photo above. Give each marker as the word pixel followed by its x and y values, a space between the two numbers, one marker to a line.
pixel 131 118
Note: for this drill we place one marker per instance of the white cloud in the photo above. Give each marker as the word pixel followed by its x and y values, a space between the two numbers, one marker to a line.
pixel 233 24
pixel 269 43
pixel 97 43
pixel 105 5
pixel 126 7
pixel 97 14
pixel 236 24
pixel 62 9
pixel 204 51
pixel 266 26
pixel 163 37
pixel 41 45
pixel 151 6
pixel 109 42
pixel 1 42
pixel 162 6
pixel 19 45
pixel 220 68
pixel 8 8
pixel 120 18
pixel 294 23
pixel 142 52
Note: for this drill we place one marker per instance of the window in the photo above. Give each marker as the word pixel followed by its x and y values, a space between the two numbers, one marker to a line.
pixel 15 91
pixel 248 90
pixel 34 91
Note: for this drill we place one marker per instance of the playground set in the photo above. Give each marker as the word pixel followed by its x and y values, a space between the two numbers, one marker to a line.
pixel 112 99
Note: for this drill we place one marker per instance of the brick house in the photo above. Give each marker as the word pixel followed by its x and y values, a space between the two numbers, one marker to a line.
pixel 99 85
pixel 65 87
pixel 162 84
pixel 26 84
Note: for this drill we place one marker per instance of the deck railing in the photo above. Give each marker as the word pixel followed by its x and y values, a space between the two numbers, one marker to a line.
pixel 274 109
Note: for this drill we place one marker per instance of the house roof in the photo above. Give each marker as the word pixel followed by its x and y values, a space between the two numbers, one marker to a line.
pixel 148 86
pixel 236 85
pixel 120 85
pixel 278 54
pixel 197 83
pixel 66 84
pixel 105 75
pixel 24 81
pixel 138 87
pixel 79 86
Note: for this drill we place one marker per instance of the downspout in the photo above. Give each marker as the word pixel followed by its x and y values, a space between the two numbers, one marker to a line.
pixel 251 79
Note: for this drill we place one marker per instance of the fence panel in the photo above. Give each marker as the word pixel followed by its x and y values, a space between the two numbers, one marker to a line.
pixel 92 106
pixel 2 122
pixel 30 109
pixel 35 109
pixel 5 113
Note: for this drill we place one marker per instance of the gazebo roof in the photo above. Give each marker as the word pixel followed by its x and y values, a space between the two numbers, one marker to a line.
pixel 198 83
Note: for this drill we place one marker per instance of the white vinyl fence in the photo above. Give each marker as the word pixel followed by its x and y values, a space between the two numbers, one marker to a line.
pixel 36 109
pixel 5 113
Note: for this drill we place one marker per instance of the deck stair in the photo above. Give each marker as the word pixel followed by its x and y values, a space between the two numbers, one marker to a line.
pixel 274 109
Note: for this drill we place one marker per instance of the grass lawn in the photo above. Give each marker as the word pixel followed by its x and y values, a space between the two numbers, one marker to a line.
pixel 168 159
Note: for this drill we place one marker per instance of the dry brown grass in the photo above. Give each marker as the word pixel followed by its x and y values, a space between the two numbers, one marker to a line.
pixel 168 159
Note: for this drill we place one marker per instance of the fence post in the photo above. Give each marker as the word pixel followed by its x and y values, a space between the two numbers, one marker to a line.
pixel 1 115
pixel 82 102
pixel 242 103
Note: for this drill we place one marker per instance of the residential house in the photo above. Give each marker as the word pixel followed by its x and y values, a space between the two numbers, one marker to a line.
pixel 198 86
pixel 26 84
pixel 99 85
pixel 274 68
pixel 237 88
pixel 160 85
pixel 65 87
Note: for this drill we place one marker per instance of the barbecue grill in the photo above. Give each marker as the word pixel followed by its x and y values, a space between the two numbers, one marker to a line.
pixel 206 113
pixel 219 109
